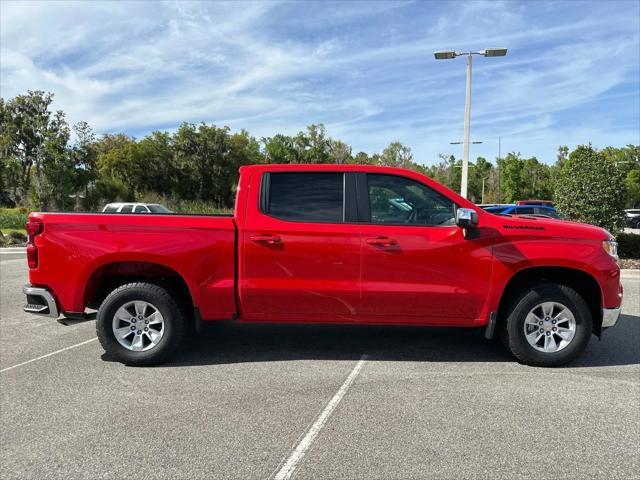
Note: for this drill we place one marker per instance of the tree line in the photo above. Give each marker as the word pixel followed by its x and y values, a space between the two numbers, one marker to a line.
pixel 48 164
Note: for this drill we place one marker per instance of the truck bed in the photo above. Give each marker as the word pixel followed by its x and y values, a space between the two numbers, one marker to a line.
pixel 78 252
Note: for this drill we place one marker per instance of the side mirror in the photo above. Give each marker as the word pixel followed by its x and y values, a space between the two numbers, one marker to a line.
pixel 466 218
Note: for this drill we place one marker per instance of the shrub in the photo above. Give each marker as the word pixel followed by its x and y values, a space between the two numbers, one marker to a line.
pixel 13 217
pixel 590 188
pixel 16 238
pixel 628 245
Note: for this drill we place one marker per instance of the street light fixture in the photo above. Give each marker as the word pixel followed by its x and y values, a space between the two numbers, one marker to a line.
pixel 495 52
pixel 447 55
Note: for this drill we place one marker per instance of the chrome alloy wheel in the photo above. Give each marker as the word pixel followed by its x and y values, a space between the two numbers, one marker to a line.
pixel 138 326
pixel 549 327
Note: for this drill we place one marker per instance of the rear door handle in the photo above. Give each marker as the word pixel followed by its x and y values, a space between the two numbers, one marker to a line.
pixel 382 241
pixel 268 239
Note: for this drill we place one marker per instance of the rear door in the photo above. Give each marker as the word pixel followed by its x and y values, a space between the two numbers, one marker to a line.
pixel 417 265
pixel 301 249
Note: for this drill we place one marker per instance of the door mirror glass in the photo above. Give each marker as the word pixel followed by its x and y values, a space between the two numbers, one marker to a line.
pixel 466 218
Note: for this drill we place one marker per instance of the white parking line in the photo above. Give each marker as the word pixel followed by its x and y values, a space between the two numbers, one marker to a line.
pixel 48 355
pixel 289 466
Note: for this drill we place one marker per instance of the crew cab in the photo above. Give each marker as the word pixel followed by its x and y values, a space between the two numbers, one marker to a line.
pixel 327 244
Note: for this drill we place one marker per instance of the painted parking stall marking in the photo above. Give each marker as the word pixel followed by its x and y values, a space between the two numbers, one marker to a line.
pixel 289 466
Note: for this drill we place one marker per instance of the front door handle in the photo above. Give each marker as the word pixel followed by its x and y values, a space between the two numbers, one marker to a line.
pixel 382 242
pixel 268 239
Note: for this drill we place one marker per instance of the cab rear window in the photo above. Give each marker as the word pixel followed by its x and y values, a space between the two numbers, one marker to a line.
pixel 305 197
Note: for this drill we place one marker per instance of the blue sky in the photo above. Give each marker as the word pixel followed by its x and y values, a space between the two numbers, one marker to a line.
pixel 364 69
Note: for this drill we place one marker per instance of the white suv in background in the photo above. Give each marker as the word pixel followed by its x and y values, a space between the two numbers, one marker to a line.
pixel 135 208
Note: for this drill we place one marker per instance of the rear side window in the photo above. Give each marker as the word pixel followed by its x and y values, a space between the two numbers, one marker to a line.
pixel 110 209
pixel 141 209
pixel 305 197
pixel 126 209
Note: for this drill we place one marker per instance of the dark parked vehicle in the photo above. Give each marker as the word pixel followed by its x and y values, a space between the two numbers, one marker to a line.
pixel 537 210
pixel 633 217
pixel 544 203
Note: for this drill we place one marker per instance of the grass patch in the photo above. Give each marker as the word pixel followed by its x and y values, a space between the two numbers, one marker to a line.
pixel 13 218
pixel 7 231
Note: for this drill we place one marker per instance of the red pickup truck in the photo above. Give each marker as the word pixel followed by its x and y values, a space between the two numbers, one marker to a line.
pixel 334 244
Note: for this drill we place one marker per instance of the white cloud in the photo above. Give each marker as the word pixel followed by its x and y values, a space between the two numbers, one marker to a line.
pixel 364 69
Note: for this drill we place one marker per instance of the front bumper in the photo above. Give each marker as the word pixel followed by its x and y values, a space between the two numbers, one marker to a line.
pixel 610 316
pixel 40 302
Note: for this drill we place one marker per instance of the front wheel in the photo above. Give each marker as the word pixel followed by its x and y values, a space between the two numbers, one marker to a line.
pixel 140 324
pixel 547 325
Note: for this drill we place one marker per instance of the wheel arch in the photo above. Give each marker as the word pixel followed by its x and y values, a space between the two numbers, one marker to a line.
pixel 580 281
pixel 110 276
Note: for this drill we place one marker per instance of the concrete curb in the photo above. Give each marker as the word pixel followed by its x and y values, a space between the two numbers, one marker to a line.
pixel 629 273
pixel 13 250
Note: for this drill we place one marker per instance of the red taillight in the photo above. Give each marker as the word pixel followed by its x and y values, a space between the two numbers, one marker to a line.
pixel 33 227
pixel 32 255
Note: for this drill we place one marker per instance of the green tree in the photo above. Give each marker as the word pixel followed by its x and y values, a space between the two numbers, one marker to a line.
pixel 118 158
pixel 29 138
pixel 279 149
pixel 590 189
pixel 632 182
pixel 511 177
pixel 339 151
pixel 156 155
pixel 361 158
pixel 397 155
pixel 627 160
pixel 480 178
pixel 55 169
pixel 536 180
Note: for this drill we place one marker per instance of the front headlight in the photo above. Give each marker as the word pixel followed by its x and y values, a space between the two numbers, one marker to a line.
pixel 611 247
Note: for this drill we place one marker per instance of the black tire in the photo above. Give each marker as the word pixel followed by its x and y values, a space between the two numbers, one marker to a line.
pixel 513 333
pixel 165 304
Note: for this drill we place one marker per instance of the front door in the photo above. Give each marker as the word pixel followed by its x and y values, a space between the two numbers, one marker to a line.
pixel 417 266
pixel 301 249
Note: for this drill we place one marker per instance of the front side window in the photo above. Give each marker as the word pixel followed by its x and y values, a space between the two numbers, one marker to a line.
pixel 110 209
pixel 126 209
pixel 140 209
pixel 399 200
pixel 306 197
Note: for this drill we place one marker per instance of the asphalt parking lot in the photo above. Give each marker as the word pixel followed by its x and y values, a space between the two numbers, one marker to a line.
pixel 261 401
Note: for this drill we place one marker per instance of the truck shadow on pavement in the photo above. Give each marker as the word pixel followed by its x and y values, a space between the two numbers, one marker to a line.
pixel 229 342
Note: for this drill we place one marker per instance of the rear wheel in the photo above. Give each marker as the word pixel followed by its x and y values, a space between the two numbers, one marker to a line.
pixel 547 325
pixel 140 324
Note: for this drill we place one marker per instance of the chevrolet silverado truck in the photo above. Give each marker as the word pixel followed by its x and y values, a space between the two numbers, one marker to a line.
pixel 327 244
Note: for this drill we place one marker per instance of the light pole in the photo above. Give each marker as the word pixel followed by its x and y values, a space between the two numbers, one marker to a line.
pixel 447 55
